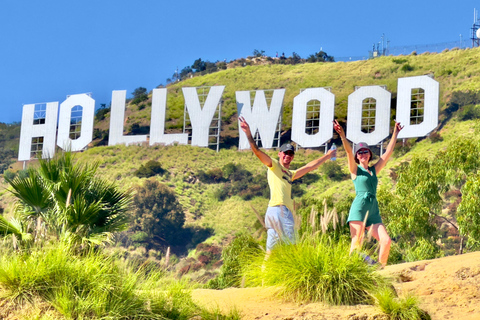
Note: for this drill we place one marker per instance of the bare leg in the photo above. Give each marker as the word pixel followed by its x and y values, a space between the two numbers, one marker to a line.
pixel 379 232
pixel 356 232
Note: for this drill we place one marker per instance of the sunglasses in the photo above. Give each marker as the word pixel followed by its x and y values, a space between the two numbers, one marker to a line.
pixel 363 152
pixel 289 153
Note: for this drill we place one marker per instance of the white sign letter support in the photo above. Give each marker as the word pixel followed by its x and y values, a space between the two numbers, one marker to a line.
pixel 29 130
pixel 65 117
pixel 260 117
pixel 117 119
pixel 201 118
pixel 299 117
pixel 157 123
pixel 404 101
pixel 382 115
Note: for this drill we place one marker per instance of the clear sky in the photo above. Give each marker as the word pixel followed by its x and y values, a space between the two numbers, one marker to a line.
pixel 54 48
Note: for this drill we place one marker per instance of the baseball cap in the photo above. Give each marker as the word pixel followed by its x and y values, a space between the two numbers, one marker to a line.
pixel 362 145
pixel 287 147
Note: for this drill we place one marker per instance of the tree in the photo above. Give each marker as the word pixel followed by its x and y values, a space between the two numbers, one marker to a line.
pixel 139 92
pixel 185 72
pixel 65 200
pixel 199 65
pixel 296 58
pixel 139 95
pixel 157 213
pixel 412 210
pixel 258 53
pixel 467 214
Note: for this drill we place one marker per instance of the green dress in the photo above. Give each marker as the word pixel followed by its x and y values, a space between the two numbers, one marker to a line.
pixel 366 197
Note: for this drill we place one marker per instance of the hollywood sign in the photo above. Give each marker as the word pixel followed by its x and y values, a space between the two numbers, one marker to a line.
pixel 260 116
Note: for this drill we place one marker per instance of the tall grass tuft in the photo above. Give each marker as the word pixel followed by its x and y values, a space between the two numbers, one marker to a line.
pixel 236 256
pixel 398 308
pixel 93 285
pixel 317 268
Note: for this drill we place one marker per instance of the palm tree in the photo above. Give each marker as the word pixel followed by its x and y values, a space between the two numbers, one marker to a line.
pixel 66 200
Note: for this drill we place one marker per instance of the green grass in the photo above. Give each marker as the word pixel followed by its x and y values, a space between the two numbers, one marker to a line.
pixel 95 286
pixel 316 269
pixel 399 308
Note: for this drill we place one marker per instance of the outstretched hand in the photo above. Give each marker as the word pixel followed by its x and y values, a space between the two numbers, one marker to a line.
pixel 398 127
pixel 332 153
pixel 338 128
pixel 244 125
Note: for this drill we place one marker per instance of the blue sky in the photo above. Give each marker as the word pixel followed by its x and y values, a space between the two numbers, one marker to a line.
pixel 51 49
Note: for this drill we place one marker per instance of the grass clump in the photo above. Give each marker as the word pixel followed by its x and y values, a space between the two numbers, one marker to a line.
pixel 94 285
pixel 317 269
pixel 236 256
pixel 398 308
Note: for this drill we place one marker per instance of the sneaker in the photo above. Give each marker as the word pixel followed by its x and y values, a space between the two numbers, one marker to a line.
pixel 368 260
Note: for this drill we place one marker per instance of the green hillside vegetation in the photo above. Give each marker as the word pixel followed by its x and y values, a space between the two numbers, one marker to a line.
pixel 456 70
pixel 189 204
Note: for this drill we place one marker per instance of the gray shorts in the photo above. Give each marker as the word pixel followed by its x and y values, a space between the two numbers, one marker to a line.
pixel 280 226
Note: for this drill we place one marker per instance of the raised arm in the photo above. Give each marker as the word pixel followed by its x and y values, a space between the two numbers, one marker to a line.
pixel 352 166
pixel 388 152
pixel 264 158
pixel 312 165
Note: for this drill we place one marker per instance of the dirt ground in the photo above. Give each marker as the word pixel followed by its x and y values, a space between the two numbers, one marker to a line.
pixel 448 288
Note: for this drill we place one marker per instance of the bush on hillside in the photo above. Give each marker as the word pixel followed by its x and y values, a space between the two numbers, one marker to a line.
pixel 469 112
pixel 214 175
pixel 435 137
pixel 237 182
pixel 333 171
pixel 150 169
pixel 102 112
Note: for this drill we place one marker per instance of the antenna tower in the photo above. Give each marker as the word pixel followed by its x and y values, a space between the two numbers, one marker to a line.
pixel 475 29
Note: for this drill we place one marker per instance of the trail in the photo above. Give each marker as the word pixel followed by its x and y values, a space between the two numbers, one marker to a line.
pixel 448 288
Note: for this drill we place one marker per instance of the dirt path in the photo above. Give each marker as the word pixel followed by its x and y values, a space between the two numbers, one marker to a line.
pixel 448 288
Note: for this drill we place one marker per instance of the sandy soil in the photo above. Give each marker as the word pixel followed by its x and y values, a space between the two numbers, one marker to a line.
pixel 448 288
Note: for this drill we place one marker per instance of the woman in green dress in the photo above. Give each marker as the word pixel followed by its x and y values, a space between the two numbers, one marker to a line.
pixel 365 180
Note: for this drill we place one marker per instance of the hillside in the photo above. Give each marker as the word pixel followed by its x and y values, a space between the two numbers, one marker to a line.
pixel 456 70
pixel 218 219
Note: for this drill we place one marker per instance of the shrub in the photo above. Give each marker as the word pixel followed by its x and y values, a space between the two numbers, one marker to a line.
pixel 333 171
pixel 407 67
pixel 8 174
pixel 435 137
pixel 235 256
pixel 460 99
pixel 94 286
pixel 317 269
pixel 101 113
pixel 214 175
pixel 208 254
pixel 397 308
pixel 469 112
pixel 422 250
pixel 150 169
pixel 239 182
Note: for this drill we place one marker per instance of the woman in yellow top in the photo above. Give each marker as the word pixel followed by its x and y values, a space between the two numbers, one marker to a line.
pixel 365 180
